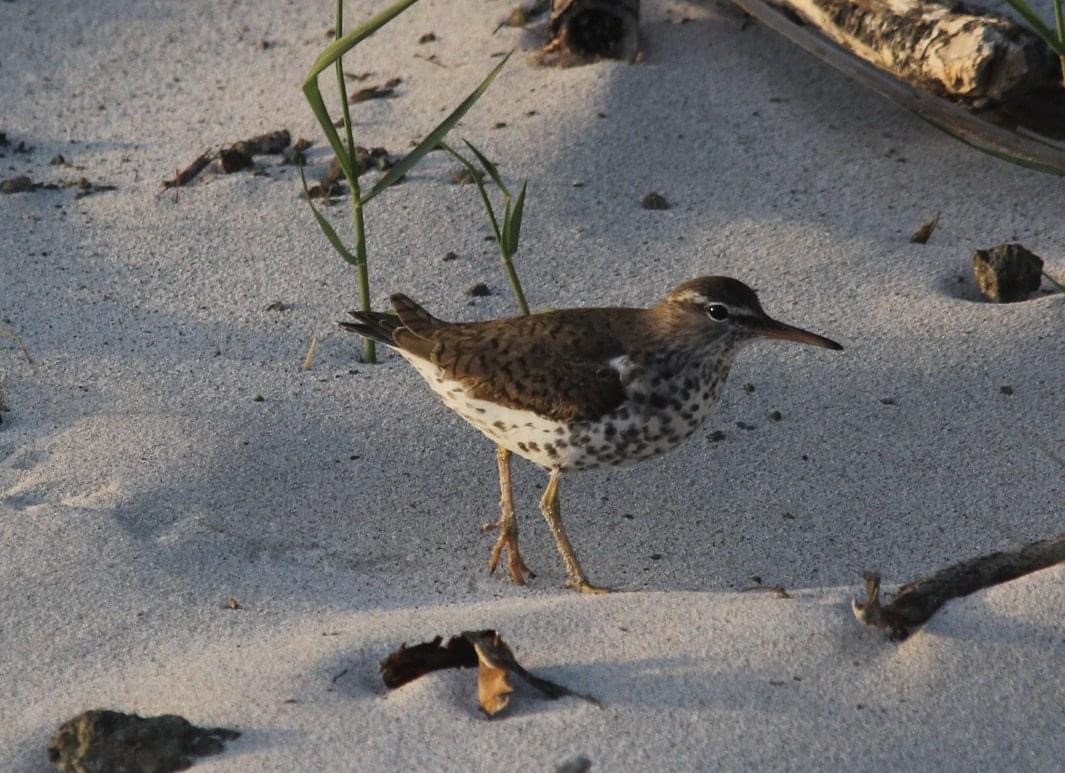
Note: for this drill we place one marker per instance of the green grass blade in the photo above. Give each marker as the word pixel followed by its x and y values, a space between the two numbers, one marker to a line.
pixel 513 226
pixel 353 180
pixel 327 228
pixel 1037 24
pixel 480 187
pixel 340 47
pixel 330 55
pixel 435 136
pixel 488 167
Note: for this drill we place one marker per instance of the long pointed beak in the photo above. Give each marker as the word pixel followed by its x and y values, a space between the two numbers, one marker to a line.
pixel 770 328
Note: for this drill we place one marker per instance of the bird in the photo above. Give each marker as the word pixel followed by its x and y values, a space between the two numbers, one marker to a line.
pixel 582 388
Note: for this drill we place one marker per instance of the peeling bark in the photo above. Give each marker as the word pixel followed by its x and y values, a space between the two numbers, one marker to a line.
pixel 949 49
pixel 1026 130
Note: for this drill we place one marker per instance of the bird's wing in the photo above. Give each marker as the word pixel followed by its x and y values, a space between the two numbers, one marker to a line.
pixel 550 364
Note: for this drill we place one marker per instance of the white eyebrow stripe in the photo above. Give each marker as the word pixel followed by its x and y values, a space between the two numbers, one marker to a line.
pixel 691 295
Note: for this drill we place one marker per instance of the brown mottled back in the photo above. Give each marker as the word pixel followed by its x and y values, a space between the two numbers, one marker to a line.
pixel 556 363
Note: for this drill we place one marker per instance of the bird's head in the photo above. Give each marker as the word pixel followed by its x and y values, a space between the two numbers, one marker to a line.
pixel 731 308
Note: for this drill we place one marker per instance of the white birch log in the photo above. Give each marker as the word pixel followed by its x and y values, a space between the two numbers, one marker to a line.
pixel 946 48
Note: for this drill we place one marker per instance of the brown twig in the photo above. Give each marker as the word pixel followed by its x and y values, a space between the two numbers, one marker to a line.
pixel 780 591
pixel 916 602
pixel 188 174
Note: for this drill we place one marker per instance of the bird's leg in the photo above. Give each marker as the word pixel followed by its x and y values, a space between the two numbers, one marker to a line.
pixel 507 525
pixel 549 507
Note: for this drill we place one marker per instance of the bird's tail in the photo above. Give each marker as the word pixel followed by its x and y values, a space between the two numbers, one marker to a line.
pixel 414 318
pixel 374 324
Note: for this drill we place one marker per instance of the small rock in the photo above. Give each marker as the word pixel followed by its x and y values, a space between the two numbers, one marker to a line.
pixel 654 201
pixel 717 436
pixel 21 184
pixel 58 160
pixel 1007 273
pixel 451 256
pixel 478 290
pixel 428 37
pixel 464 177
pixel 776 415
pixel 232 603
pixel 1006 390
pixel 888 401
pixel 259 399
pixel 748 388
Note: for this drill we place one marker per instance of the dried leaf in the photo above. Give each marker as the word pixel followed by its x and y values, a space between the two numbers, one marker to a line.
pixel 491 648
pixel 374 92
pixel 485 649
pixel 493 686
pixel 922 234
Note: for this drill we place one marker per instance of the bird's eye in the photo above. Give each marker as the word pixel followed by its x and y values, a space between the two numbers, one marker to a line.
pixel 717 312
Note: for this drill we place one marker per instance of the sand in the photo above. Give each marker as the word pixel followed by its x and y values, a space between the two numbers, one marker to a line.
pixel 143 482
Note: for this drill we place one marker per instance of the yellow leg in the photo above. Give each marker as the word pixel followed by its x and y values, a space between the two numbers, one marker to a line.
pixel 507 525
pixel 549 507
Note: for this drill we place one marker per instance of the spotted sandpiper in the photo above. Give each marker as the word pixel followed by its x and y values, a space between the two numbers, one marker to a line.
pixel 577 389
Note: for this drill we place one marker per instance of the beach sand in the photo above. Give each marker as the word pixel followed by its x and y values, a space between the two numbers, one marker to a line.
pixel 143 481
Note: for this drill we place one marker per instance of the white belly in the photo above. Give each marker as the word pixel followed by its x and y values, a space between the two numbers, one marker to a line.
pixel 540 440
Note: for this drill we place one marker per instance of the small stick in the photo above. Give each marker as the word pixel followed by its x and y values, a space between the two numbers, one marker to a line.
pixel 186 175
pixel 917 601
pixel 779 590
pixel 1054 281
pixel 9 333
pixel 308 361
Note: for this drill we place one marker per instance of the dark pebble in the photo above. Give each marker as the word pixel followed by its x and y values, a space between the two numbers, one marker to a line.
pixel 654 201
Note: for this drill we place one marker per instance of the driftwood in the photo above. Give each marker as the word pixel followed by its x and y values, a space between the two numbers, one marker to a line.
pixel 948 49
pixel 1027 129
pixel 916 602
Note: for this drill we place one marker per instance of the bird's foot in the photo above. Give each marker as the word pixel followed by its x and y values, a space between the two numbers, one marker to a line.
pixel 508 541
pixel 582 585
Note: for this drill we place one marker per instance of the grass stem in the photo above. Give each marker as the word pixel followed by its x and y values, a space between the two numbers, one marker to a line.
pixel 351 172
